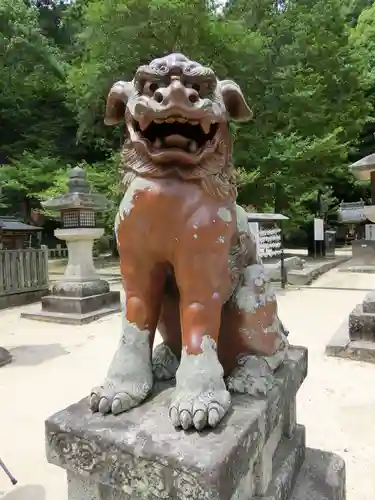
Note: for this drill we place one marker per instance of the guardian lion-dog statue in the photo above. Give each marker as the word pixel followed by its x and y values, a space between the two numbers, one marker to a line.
pixel 188 258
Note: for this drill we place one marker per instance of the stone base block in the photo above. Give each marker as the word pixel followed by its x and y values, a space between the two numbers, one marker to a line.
pixel 65 288
pixel 256 450
pixel 312 271
pixel 299 475
pixel 77 309
pixel 361 324
pixel 289 459
pixel 368 303
pixel 322 477
pixel 22 299
pixel 5 357
pixel 363 252
pixel 79 305
pixel 287 463
pixel 72 319
pixel 343 347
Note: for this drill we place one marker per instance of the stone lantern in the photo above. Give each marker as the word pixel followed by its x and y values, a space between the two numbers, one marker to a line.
pixel 81 296
pixel 355 339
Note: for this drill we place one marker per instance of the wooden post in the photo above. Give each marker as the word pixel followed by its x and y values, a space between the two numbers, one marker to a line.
pixel 45 264
pixel 372 176
pixel 1 272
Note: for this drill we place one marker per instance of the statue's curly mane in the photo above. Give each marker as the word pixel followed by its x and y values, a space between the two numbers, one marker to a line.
pixel 215 173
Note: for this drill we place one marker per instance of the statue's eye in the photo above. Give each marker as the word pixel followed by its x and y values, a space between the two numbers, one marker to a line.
pixel 153 87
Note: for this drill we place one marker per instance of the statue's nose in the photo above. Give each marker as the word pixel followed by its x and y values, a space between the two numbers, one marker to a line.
pixel 176 93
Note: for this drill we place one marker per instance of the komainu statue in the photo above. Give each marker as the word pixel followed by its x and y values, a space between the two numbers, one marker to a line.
pixel 188 258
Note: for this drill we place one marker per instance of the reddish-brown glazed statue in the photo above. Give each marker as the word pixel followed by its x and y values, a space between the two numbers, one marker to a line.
pixel 188 258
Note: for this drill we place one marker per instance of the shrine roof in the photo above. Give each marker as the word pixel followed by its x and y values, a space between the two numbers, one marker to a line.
pixel 13 224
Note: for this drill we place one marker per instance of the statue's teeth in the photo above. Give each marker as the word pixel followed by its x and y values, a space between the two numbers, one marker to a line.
pixel 144 122
pixel 193 147
pixel 206 125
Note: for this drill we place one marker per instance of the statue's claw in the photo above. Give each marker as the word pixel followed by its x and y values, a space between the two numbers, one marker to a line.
pixel 199 410
pixel 117 398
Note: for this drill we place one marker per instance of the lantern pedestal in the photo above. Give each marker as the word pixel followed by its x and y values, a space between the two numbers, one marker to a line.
pixel 81 291
pixel 81 296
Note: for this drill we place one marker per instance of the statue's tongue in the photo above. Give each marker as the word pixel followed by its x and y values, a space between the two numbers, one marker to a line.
pixel 176 141
pixel 181 142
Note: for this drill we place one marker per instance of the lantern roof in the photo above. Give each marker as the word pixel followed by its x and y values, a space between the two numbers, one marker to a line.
pixel 79 195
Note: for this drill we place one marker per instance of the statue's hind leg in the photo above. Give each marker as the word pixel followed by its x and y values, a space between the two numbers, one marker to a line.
pixel 252 340
pixel 166 356
pixel 261 339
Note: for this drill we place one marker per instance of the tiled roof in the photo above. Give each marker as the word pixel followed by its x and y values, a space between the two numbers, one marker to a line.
pixel 13 224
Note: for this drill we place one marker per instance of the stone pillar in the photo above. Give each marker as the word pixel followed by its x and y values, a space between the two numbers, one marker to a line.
pixel 81 295
pixel 80 244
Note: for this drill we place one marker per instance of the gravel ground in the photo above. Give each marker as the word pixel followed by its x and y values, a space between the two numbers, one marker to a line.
pixel 56 365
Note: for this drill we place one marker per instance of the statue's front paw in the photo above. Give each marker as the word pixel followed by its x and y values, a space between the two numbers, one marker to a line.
pixel 200 397
pixel 129 380
pixel 195 408
pixel 116 396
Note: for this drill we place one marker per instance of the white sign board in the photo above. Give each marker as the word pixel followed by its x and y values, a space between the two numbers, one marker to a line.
pixel 270 243
pixel 318 229
pixel 370 232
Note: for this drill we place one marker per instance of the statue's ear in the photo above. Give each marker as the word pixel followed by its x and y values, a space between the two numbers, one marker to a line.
pixel 116 102
pixel 234 101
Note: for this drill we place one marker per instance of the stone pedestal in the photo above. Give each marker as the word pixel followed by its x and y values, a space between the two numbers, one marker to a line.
pixel 81 296
pixel 355 338
pixel 363 257
pixel 256 452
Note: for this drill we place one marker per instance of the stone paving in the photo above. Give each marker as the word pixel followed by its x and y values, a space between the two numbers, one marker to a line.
pixel 56 365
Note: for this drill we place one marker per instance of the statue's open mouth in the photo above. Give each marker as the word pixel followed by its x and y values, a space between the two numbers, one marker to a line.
pixel 176 137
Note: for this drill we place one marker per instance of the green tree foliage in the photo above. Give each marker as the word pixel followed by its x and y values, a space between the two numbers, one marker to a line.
pixel 30 75
pixel 352 9
pixel 311 107
pixel 363 45
pixel 304 78
pixel 37 129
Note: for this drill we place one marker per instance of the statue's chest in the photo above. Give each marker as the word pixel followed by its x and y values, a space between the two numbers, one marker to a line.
pixel 169 201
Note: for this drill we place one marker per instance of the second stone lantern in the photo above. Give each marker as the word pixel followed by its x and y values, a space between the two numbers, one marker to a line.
pixel 81 295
